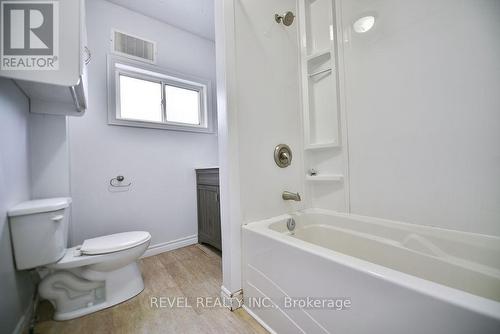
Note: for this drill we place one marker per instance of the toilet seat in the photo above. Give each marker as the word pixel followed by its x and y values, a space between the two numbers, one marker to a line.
pixel 119 246
pixel 113 242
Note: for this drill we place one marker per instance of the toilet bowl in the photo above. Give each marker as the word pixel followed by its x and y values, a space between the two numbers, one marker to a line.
pixel 81 283
pixel 100 273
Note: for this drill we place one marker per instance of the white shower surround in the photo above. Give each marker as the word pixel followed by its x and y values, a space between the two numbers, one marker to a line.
pixel 457 189
pixel 400 278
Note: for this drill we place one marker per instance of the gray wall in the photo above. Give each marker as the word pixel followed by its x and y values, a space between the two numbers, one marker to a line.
pixel 49 156
pixel 15 288
pixel 159 163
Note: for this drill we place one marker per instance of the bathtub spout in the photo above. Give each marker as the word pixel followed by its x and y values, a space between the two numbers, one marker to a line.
pixel 288 196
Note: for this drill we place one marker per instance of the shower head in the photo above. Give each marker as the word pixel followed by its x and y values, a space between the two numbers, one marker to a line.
pixel 286 19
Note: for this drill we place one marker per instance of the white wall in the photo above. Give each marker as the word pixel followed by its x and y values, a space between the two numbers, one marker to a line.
pixel 229 180
pixel 159 163
pixel 268 107
pixel 423 108
pixel 16 287
pixel 258 96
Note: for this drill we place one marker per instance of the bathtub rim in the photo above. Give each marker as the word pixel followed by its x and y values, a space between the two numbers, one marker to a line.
pixel 435 290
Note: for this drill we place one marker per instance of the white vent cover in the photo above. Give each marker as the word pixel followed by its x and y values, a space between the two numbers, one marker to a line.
pixel 134 47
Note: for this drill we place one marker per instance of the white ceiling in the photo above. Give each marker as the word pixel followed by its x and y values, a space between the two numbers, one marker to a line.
pixel 196 16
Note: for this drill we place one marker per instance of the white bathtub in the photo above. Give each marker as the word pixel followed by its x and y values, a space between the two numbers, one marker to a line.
pixel 397 277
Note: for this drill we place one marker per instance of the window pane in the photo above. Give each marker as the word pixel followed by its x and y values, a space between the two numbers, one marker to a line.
pixel 183 105
pixel 140 99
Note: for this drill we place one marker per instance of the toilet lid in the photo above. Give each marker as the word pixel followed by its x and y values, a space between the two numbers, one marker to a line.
pixel 114 242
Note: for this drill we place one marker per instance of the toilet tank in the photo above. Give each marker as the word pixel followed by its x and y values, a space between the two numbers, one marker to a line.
pixel 39 231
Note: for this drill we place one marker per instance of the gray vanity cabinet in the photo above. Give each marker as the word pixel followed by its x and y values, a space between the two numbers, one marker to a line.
pixel 209 226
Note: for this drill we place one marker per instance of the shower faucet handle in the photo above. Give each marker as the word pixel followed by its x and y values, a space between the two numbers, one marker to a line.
pixel 282 155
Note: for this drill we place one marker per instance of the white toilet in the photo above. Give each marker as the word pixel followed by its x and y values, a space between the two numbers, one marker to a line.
pixel 98 274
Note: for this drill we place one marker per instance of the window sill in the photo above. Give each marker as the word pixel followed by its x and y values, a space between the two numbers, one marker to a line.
pixel 160 126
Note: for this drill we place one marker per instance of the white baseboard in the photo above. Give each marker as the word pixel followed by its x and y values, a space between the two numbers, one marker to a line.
pixel 171 245
pixel 233 300
pixel 258 319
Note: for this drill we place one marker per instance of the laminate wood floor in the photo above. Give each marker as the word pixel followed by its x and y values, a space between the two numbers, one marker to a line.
pixel 187 273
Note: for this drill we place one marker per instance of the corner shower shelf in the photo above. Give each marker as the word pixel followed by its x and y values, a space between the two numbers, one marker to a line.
pixel 320 146
pixel 327 70
pixel 318 54
pixel 318 75
pixel 324 178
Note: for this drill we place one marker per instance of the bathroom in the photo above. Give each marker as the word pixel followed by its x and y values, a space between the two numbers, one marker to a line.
pixel 337 171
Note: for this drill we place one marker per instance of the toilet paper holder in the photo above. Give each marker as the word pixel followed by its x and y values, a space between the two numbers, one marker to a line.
pixel 117 182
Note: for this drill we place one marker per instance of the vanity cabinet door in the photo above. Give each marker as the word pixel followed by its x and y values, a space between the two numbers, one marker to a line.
pixel 209 231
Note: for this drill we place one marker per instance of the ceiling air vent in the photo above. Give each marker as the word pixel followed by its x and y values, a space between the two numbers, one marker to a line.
pixel 134 47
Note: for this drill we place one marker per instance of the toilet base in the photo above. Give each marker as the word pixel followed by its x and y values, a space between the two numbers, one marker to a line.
pixel 85 291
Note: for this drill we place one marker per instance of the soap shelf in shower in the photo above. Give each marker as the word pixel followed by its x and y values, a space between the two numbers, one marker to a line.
pixel 321 146
pixel 326 70
pixel 324 178
pixel 318 54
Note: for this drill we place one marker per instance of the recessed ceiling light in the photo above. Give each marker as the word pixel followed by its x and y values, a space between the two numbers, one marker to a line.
pixel 363 24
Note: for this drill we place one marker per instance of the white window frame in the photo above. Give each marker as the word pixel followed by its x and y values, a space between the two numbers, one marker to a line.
pixel 121 66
